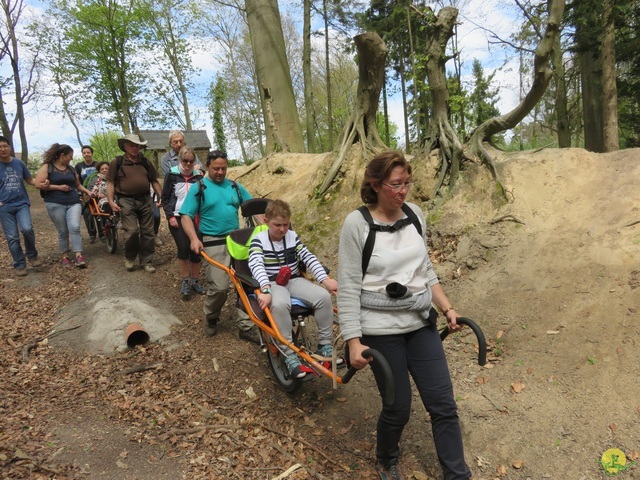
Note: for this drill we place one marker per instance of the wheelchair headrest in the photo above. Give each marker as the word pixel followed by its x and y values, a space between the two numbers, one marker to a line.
pixel 255 206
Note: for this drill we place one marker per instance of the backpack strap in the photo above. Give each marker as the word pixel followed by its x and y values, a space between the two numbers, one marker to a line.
pixel 237 189
pixel 370 242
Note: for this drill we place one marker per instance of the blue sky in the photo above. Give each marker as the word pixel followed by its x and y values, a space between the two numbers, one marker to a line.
pixel 43 128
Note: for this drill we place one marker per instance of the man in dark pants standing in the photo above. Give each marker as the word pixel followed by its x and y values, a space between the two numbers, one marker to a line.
pixel 129 179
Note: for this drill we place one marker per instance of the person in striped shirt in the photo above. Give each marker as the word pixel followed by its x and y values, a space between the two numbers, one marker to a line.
pixel 274 258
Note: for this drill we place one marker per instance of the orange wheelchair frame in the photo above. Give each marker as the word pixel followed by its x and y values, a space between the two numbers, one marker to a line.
pixel 107 223
pixel 269 330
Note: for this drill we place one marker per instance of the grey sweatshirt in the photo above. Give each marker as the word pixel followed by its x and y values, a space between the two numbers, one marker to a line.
pixel 401 257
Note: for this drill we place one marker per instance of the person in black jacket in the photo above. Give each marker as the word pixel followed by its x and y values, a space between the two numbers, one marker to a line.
pixel 176 186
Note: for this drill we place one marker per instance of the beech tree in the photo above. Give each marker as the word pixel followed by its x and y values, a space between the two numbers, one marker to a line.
pixel 361 127
pixel 542 73
pixel 282 123
pixel 25 73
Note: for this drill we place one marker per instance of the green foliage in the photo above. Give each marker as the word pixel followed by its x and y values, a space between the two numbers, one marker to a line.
pixel 105 145
pixel 483 99
pixel 217 93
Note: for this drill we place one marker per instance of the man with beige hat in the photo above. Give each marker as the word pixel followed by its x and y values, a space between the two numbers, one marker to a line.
pixel 128 184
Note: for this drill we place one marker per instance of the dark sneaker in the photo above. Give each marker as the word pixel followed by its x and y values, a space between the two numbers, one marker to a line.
pixel 21 272
pixel 80 262
pixel 294 366
pixel 250 335
pixel 149 268
pixel 65 262
pixel 389 472
pixel 92 240
pixel 210 327
pixel 196 287
pixel 326 351
pixel 157 241
pixel 185 288
pixel 103 239
pixel 130 265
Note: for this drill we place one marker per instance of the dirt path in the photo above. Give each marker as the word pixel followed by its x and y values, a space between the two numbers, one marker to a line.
pixel 555 293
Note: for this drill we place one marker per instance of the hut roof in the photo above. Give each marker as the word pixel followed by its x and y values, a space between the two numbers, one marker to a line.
pixel 159 139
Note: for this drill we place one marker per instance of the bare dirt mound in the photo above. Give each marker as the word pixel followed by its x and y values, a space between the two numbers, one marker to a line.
pixel 551 276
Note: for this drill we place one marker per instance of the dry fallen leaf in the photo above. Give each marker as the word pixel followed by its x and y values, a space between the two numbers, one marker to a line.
pixel 500 333
pixel 633 455
pixel 419 476
pixel 517 386
pixel 482 380
pixel 518 464
pixel 613 427
pixel 501 471
pixel 553 332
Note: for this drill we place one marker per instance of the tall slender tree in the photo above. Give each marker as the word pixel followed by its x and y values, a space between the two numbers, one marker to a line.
pixel 282 122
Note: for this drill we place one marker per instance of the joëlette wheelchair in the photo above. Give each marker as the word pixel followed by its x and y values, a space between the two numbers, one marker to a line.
pixel 106 223
pixel 247 290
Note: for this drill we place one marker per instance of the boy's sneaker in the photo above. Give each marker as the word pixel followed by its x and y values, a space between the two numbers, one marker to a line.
pixel 80 262
pixel 130 265
pixel 294 366
pixel 185 288
pixel 389 472
pixel 65 262
pixel 149 268
pixel 21 272
pixel 326 351
pixel 196 287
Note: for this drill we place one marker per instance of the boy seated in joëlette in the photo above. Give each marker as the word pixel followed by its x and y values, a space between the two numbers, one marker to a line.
pixel 274 257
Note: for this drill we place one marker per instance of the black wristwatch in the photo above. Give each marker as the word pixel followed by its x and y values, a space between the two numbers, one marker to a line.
pixel 266 290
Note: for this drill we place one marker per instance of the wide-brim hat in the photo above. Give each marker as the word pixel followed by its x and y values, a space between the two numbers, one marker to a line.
pixel 131 137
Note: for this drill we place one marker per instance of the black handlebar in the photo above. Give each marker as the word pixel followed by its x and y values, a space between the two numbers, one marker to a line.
pixel 482 343
pixel 388 395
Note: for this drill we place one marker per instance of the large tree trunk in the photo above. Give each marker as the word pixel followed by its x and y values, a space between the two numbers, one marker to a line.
pixel 562 112
pixel 542 75
pixel 361 126
pixel 610 90
pixel 306 72
pixel 274 76
pixel 328 77
pixel 440 133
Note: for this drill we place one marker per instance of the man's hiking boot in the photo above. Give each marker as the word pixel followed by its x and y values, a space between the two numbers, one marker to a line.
pixel 210 327
pixel 196 287
pixel 21 272
pixel 251 335
pixel 389 472
pixel 35 262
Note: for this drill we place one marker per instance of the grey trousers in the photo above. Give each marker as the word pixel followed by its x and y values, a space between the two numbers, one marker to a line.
pixel 218 285
pixel 311 294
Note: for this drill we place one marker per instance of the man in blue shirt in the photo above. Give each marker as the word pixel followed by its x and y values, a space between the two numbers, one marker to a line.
pixel 217 205
pixel 15 216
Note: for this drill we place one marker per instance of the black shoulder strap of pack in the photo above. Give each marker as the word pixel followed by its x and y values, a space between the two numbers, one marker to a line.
pixel 200 193
pixel 235 186
pixel 202 186
pixel 370 242
pixel 144 162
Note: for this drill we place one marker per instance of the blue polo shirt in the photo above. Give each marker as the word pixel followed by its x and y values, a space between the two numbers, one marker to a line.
pixel 218 208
